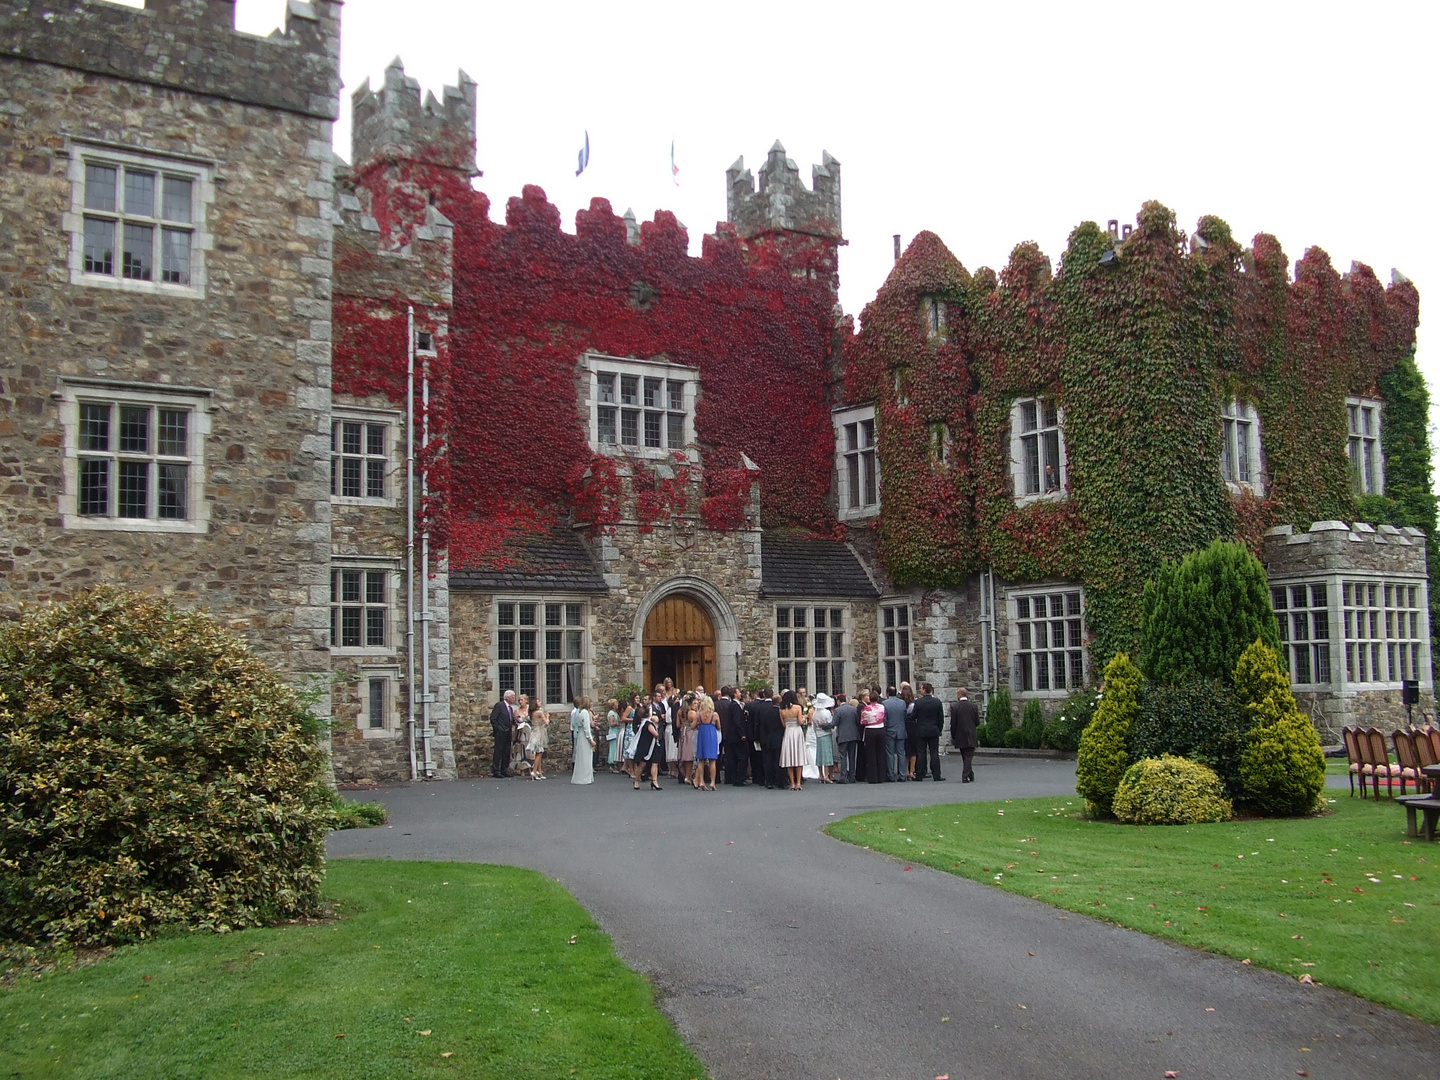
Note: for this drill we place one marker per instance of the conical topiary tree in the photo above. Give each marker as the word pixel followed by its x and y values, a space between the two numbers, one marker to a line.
pixel 1105 744
pixel 1200 613
pixel 1282 768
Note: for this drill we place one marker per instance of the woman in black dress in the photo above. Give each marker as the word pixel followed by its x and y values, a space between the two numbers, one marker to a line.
pixel 649 750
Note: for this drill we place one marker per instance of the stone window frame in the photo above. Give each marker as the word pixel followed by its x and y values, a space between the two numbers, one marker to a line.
pixel 541 661
pixel 596 365
pixel 1018 439
pixel 897 652
pixel 861 457
pixel 932 309
pixel 199 170
pixel 1359 411
pixel 1306 643
pixel 782 640
pixel 197 401
pixel 1019 611
pixel 1378 638
pixel 394 706
pixel 393 419
pixel 1240 448
pixel 394 624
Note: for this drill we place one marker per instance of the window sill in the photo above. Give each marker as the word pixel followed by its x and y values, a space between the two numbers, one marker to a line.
pixel 361 650
pixel 1051 496
pixel 135 525
pixel 1240 487
pixel 648 453
pixel 148 288
pixel 350 500
pixel 368 733
pixel 860 513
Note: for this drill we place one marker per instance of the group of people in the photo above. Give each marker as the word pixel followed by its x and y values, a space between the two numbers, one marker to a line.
pixel 775 739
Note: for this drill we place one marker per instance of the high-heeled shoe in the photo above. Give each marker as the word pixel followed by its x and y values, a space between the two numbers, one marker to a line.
pixel 637 785
pixel 654 786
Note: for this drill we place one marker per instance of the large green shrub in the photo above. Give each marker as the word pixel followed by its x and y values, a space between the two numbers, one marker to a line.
pixel 1015 738
pixel 152 772
pixel 1032 725
pixel 1170 790
pixel 1282 768
pixel 1104 745
pixel 1063 730
pixel 1200 719
pixel 1199 613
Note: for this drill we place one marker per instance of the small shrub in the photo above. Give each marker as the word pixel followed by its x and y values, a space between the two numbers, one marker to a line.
pixel 1201 719
pixel 1170 790
pixel 1062 732
pixel 982 735
pixel 1282 768
pixel 152 772
pixel 1015 738
pixel 1032 725
pixel 999 716
pixel 350 814
pixel 1104 745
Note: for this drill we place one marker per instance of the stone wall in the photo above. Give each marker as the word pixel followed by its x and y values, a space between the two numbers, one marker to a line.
pixel 254 338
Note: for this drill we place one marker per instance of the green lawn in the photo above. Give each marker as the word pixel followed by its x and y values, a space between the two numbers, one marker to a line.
pixel 433 970
pixel 1345 898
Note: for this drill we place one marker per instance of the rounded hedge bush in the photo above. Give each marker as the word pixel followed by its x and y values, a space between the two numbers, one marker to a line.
pixel 152 772
pixel 1170 790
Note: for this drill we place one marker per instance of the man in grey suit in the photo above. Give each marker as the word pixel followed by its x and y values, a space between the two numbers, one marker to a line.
pixel 847 738
pixel 964 718
pixel 894 736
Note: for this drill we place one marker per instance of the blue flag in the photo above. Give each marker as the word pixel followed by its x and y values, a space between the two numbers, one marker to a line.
pixel 584 155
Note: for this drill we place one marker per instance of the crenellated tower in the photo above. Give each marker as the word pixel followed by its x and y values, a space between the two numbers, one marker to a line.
pixel 410 154
pixel 782 222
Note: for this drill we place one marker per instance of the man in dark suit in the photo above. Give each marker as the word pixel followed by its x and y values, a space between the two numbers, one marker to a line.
pixel 964 718
pixel 847 737
pixel 502 722
pixel 927 721
pixel 769 731
pixel 734 740
pixel 752 733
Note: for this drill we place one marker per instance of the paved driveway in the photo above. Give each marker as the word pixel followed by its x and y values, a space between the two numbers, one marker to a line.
pixel 780 952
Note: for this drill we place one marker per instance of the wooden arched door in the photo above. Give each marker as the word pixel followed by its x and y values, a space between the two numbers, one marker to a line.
pixel 680 644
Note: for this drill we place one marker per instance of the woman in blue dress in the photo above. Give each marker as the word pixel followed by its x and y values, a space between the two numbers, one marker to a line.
pixel 707 745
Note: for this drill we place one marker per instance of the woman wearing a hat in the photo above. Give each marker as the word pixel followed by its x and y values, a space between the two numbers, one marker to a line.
pixel 823 721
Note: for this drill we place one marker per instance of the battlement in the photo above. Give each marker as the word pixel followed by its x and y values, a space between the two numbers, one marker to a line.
pixel 189 45
pixel 392 124
pixel 782 202
pixel 1338 546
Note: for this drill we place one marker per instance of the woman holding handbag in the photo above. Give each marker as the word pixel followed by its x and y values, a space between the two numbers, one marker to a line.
pixel 648 746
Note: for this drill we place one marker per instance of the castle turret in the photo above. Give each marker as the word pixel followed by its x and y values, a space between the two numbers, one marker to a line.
pixel 392 125
pixel 782 203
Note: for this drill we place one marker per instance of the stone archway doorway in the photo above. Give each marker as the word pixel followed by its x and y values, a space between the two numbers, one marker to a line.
pixel 679 644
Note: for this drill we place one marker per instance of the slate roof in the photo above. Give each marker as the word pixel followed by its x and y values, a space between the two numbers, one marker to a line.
pixel 554 562
pixel 796 565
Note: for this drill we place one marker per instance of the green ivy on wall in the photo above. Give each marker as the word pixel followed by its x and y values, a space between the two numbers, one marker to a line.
pixel 1139 343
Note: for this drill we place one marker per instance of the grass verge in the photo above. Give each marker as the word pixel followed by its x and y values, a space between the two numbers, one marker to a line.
pixel 432 970
pixel 1345 898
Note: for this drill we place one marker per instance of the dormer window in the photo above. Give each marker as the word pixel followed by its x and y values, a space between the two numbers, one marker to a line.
pixel 1037 449
pixel 1240 448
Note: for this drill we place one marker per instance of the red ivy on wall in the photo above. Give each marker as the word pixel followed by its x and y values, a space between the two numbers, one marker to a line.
pixel 757 318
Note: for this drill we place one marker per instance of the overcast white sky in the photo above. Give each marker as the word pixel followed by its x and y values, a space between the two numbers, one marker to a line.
pixel 986 123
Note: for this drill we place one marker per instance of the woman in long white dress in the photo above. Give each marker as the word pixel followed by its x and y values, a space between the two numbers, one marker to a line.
pixel 582 730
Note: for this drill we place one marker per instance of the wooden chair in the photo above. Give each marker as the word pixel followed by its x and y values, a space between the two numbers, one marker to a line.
pixel 1377 758
pixel 1409 762
pixel 1427 750
pixel 1351 738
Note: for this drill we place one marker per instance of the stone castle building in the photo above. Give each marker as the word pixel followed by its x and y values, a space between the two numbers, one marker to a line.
pixel 429 456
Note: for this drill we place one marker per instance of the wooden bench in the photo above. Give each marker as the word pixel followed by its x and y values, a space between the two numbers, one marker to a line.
pixel 1429 806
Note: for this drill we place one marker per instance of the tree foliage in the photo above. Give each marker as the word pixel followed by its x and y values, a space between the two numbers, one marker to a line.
pixel 1170 790
pixel 1199 613
pixel 1104 745
pixel 1281 767
pixel 152 772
